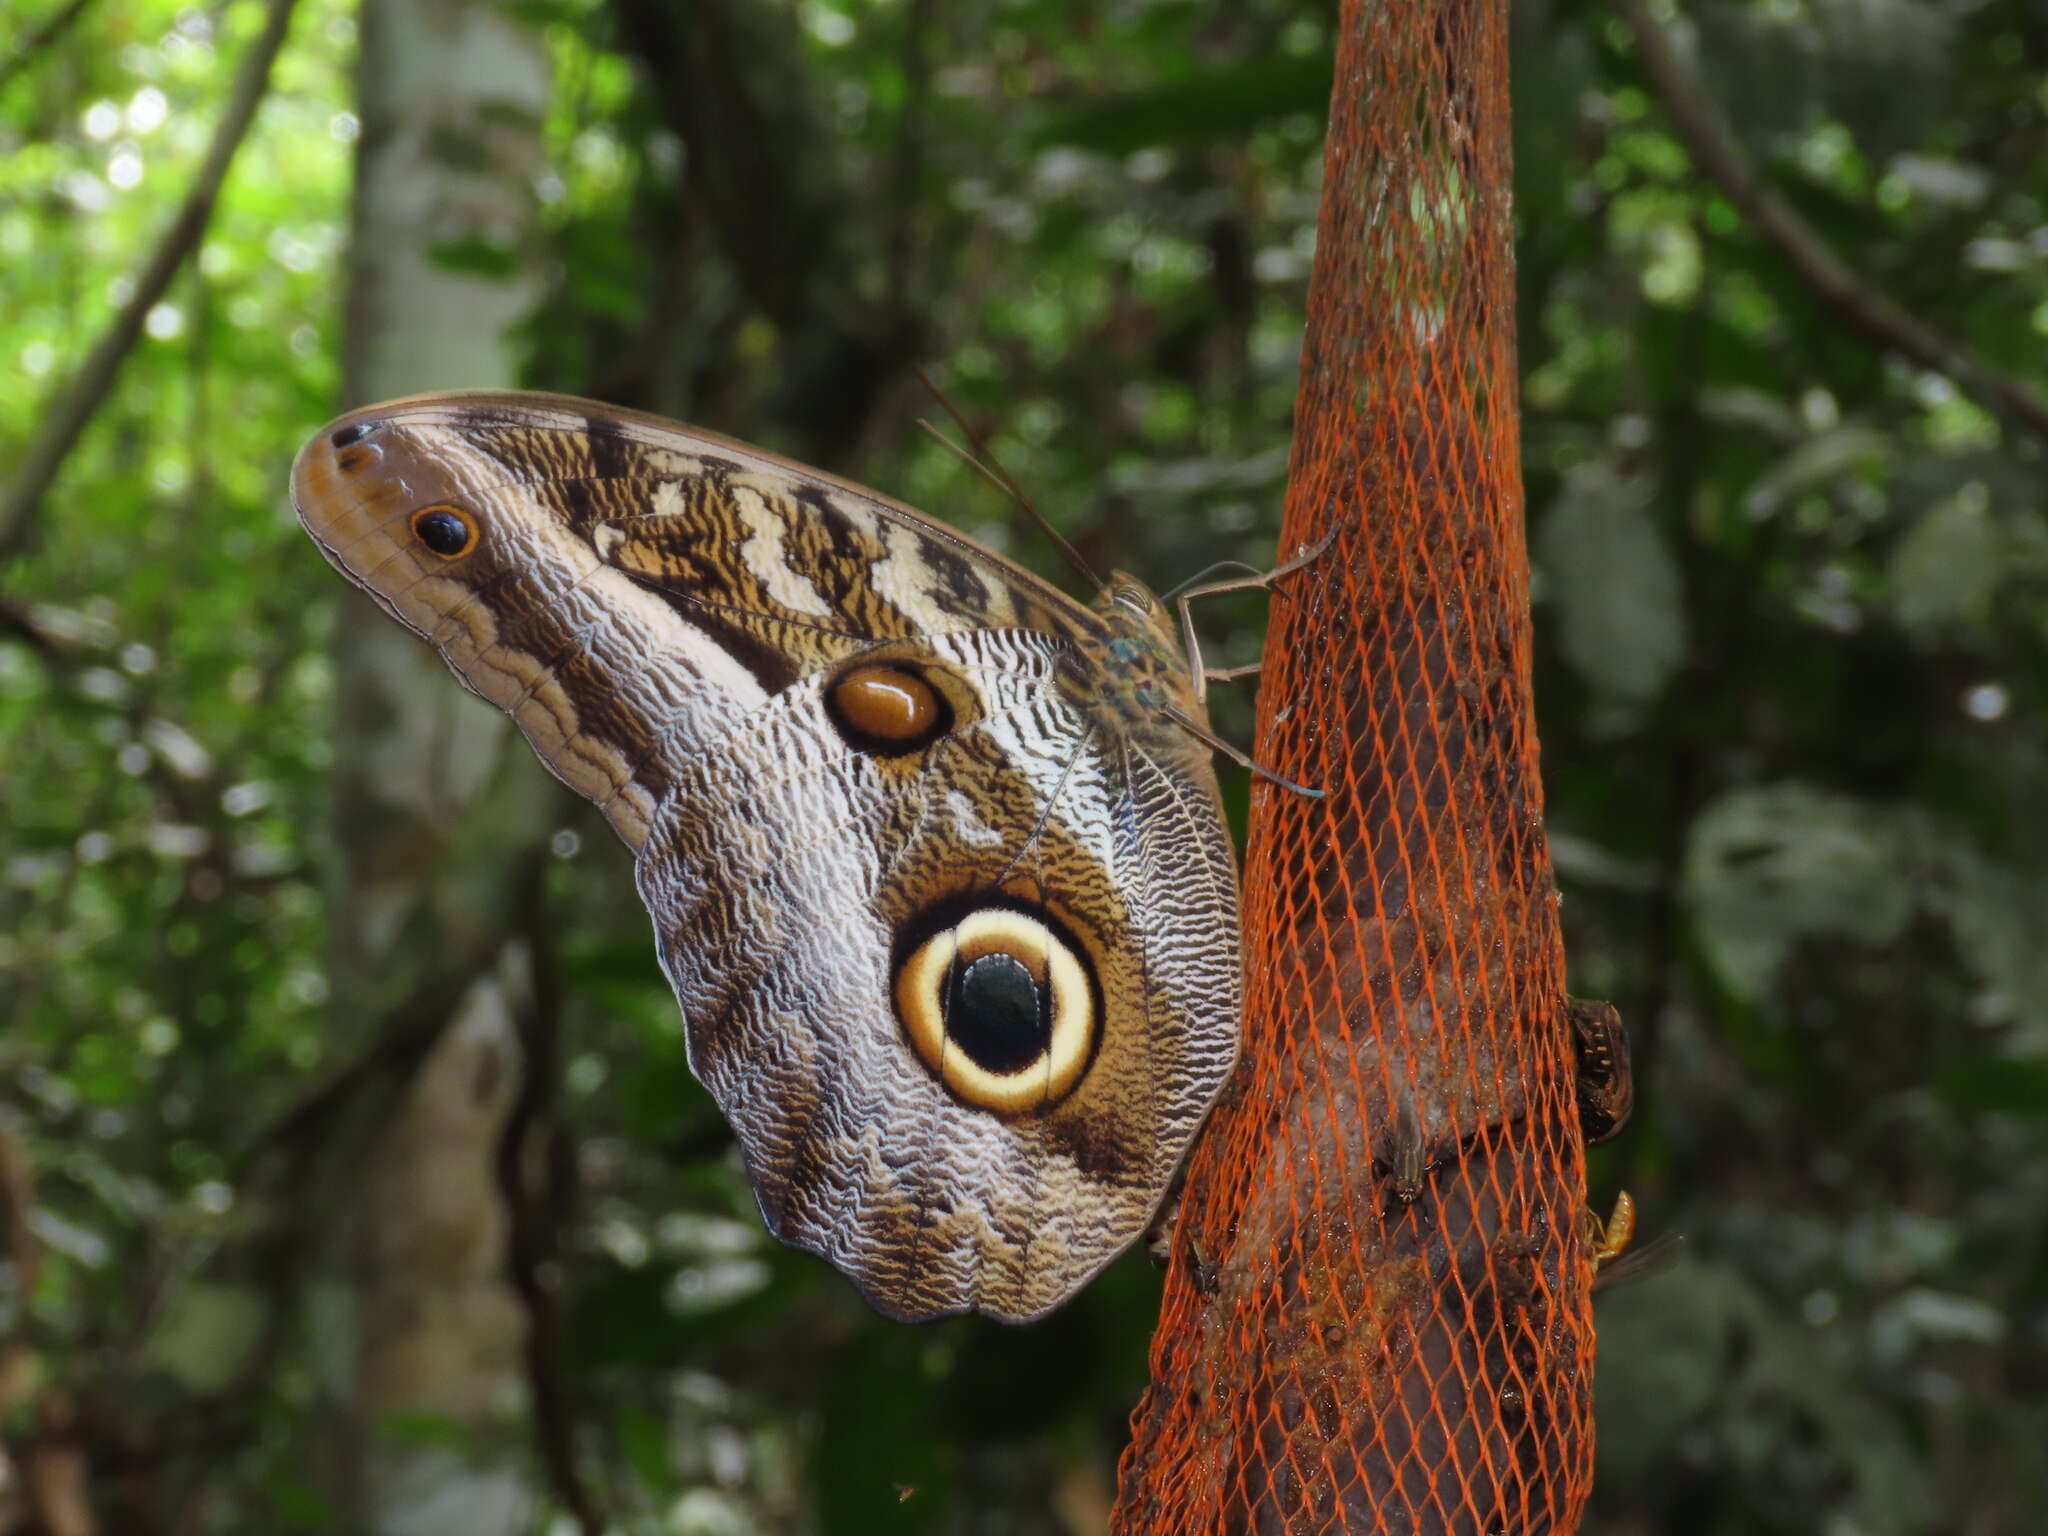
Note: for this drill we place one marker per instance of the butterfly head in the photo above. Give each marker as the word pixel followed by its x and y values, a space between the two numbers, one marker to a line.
pixel 1124 593
pixel 1142 660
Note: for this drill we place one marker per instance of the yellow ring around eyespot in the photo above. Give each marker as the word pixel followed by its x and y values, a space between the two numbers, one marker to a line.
pixel 920 993
pixel 445 509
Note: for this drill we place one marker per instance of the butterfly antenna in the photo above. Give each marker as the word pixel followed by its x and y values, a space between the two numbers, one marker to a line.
pixel 986 461
pixel 965 456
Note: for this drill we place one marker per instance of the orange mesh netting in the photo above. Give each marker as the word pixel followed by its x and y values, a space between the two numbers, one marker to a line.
pixel 1333 1356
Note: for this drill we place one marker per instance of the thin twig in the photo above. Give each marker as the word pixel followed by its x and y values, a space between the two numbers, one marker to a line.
pixel 67 416
pixel 48 31
pixel 21 623
pixel 17 1226
pixel 1719 158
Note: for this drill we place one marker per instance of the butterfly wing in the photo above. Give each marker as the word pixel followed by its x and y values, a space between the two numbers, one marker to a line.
pixel 966 987
pixel 792 881
pixel 630 579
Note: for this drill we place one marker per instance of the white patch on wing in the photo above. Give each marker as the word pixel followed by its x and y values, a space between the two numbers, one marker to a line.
pixel 762 554
pixel 903 580
pixel 968 823
pixel 607 537
pixel 670 464
pixel 668 500
pixel 857 513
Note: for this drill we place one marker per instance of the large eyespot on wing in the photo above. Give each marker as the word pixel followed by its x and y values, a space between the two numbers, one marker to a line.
pixel 889 708
pixel 820 905
pixel 1000 1004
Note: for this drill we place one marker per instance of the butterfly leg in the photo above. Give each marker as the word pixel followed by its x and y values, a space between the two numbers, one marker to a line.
pixel 1159 1236
pixel 1201 675
pixel 1159 1241
pixel 1209 738
pixel 1260 582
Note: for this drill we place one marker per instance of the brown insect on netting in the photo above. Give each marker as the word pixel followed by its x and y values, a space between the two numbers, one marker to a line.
pixel 1377 1317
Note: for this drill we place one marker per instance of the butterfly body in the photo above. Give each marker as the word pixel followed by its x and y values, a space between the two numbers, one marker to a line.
pixel 942 887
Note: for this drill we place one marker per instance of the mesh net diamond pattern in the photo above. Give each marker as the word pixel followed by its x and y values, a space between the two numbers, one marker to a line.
pixel 1377 1317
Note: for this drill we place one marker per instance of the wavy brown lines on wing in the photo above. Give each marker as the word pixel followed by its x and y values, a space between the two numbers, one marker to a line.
pixel 943 889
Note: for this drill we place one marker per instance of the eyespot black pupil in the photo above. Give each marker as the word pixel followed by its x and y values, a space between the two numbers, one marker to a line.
pixel 998 1013
pixel 443 532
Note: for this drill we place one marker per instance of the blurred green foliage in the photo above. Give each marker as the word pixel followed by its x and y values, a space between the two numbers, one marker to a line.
pixel 1792 609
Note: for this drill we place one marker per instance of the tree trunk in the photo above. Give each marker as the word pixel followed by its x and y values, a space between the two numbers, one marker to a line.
pixel 441 812
pixel 1377 1318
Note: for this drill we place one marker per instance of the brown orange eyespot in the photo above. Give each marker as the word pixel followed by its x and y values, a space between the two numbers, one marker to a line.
pixel 448 531
pixel 884 708
pixel 1000 1009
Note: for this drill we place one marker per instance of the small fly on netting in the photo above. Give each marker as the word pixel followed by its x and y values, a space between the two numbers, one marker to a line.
pixel 1409 1165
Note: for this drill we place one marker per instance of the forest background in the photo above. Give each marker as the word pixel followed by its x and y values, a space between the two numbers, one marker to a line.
pixel 285 1251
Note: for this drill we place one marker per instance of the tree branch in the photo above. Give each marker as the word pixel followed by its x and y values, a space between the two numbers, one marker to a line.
pixel 66 417
pixel 533 1175
pixel 48 31
pixel 408 1033
pixel 1717 156
pixel 20 623
pixel 728 80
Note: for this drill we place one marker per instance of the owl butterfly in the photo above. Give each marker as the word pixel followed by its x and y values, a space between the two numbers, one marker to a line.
pixel 941 882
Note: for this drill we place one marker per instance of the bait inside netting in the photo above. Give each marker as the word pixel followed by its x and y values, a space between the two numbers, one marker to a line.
pixel 1377 1313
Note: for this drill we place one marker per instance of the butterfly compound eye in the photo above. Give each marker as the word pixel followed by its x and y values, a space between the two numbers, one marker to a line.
pixel 447 531
pixel 1000 1009
pixel 886 709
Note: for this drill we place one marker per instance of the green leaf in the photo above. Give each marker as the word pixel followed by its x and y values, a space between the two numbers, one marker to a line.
pixel 1612 586
pixel 1771 865
pixel 206 1334
pixel 1997 1083
pixel 1947 569
pixel 1222 104
pixel 1997 915
pixel 644 1446
pixel 1815 465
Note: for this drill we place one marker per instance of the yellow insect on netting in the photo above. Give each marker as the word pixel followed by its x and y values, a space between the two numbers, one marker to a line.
pixel 1377 1317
